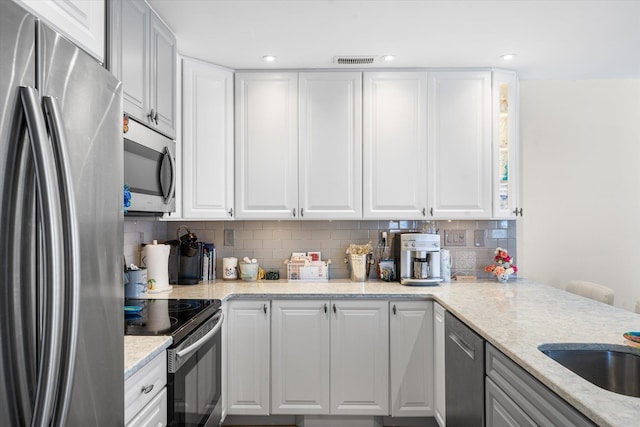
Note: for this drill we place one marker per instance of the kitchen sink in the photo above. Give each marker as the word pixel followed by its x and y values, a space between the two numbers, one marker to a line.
pixel 612 367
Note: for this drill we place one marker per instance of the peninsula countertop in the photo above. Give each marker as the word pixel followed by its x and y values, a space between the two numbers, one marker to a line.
pixel 516 318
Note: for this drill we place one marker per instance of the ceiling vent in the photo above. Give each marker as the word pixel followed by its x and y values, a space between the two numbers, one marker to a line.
pixel 354 60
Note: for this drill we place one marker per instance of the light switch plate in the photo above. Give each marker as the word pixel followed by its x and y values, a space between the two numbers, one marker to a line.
pixel 229 237
pixel 455 237
pixel 478 238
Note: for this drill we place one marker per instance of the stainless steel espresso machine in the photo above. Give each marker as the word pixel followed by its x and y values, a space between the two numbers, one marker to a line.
pixel 417 258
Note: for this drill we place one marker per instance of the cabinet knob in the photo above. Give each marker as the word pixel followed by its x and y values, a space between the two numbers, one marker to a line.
pixel 294 212
pixel 301 211
pixel 424 211
pixel 147 389
pixel 431 211
pixel 394 309
pixel 230 212
pixel 264 307
pixel 335 311
pixel 325 308
pixel 518 211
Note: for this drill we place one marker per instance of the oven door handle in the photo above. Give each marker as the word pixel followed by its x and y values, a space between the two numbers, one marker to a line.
pixel 196 345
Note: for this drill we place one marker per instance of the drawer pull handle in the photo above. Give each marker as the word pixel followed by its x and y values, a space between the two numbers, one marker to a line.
pixel 147 389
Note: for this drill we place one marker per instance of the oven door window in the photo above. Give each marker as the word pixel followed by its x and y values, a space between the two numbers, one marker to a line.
pixel 194 390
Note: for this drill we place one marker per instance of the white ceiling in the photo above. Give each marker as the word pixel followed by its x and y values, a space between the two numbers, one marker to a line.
pixel 553 39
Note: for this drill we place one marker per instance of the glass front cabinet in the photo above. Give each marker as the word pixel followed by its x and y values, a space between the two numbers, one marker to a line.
pixel 505 145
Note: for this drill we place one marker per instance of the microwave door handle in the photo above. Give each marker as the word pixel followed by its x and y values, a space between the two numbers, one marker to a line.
pixel 167 194
pixel 196 345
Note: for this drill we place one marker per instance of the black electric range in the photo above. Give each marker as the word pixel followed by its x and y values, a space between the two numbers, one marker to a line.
pixel 174 317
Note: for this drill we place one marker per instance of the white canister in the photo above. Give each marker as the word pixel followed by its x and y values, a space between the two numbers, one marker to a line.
pixel 230 268
pixel 445 265
pixel 156 258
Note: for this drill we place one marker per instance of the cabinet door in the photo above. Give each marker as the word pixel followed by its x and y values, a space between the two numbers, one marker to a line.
pixel 411 347
pixel 460 144
pixel 360 357
pixel 502 411
pixel 300 357
pixel 81 20
pixel 505 144
pixel 207 145
pixel 266 145
pixel 154 414
pixel 163 77
pixel 248 357
pixel 439 364
pixel 330 145
pixel 135 58
pixel 395 145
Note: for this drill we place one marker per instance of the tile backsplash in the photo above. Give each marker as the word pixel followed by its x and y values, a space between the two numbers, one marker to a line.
pixel 137 232
pixel 271 242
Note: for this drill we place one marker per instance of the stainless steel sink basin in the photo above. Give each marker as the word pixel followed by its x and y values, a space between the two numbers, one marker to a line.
pixel 613 367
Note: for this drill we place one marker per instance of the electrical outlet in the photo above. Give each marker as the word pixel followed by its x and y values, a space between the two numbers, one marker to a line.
pixel 455 237
pixel 229 237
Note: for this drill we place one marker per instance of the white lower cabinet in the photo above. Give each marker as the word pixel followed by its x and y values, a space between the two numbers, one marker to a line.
pixel 439 364
pixel 360 357
pixel 412 358
pixel 330 357
pixel 248 341
pixel 145 395
pixel 300 357
pixel 154 414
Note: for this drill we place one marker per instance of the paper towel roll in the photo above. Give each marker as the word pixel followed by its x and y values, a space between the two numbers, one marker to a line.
pixel 156 259
pixel 445 265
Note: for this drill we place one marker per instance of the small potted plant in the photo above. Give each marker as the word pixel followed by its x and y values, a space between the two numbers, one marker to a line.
pixel 503 267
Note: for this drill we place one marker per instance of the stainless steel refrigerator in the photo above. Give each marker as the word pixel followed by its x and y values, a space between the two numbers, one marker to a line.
pixel 61 231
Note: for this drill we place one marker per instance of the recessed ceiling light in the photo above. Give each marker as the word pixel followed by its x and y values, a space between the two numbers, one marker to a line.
pixel 388 58
pixel 269 58
pixel 508 56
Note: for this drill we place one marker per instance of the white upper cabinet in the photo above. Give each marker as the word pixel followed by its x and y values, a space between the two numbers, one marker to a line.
pixel 459 144
pixel 330 145
pixel 144 58
pixel 505 145
pixel 163 76
pixel 395 145
pixel 207 141
pixel 82 21
pixel 266 156
pixel 133 69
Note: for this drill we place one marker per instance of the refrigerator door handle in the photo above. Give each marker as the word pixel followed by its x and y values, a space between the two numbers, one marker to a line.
pixel 49 211
pixel 72 254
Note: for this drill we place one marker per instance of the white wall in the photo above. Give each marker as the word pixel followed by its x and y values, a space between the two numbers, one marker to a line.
pixel 580 184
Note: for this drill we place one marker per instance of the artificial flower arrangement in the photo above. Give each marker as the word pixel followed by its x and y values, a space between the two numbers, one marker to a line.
pixel 504 265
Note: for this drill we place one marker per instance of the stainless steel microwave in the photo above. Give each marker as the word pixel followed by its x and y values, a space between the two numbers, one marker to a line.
pixel 149 170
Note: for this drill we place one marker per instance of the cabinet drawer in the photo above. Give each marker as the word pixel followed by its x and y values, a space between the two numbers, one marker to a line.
pixel 144 385
pixel 154 414
pixel 541 404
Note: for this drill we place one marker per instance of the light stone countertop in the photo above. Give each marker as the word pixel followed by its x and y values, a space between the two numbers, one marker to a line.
pixel 516 318
pixel 138 351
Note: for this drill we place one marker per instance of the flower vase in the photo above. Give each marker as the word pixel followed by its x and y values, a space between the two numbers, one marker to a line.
pixel 502 278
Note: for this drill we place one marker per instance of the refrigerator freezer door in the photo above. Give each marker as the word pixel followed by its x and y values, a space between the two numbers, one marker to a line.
pixel 90 101
pixel 17 221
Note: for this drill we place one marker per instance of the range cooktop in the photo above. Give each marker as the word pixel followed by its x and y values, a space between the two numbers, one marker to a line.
pixel 174 317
